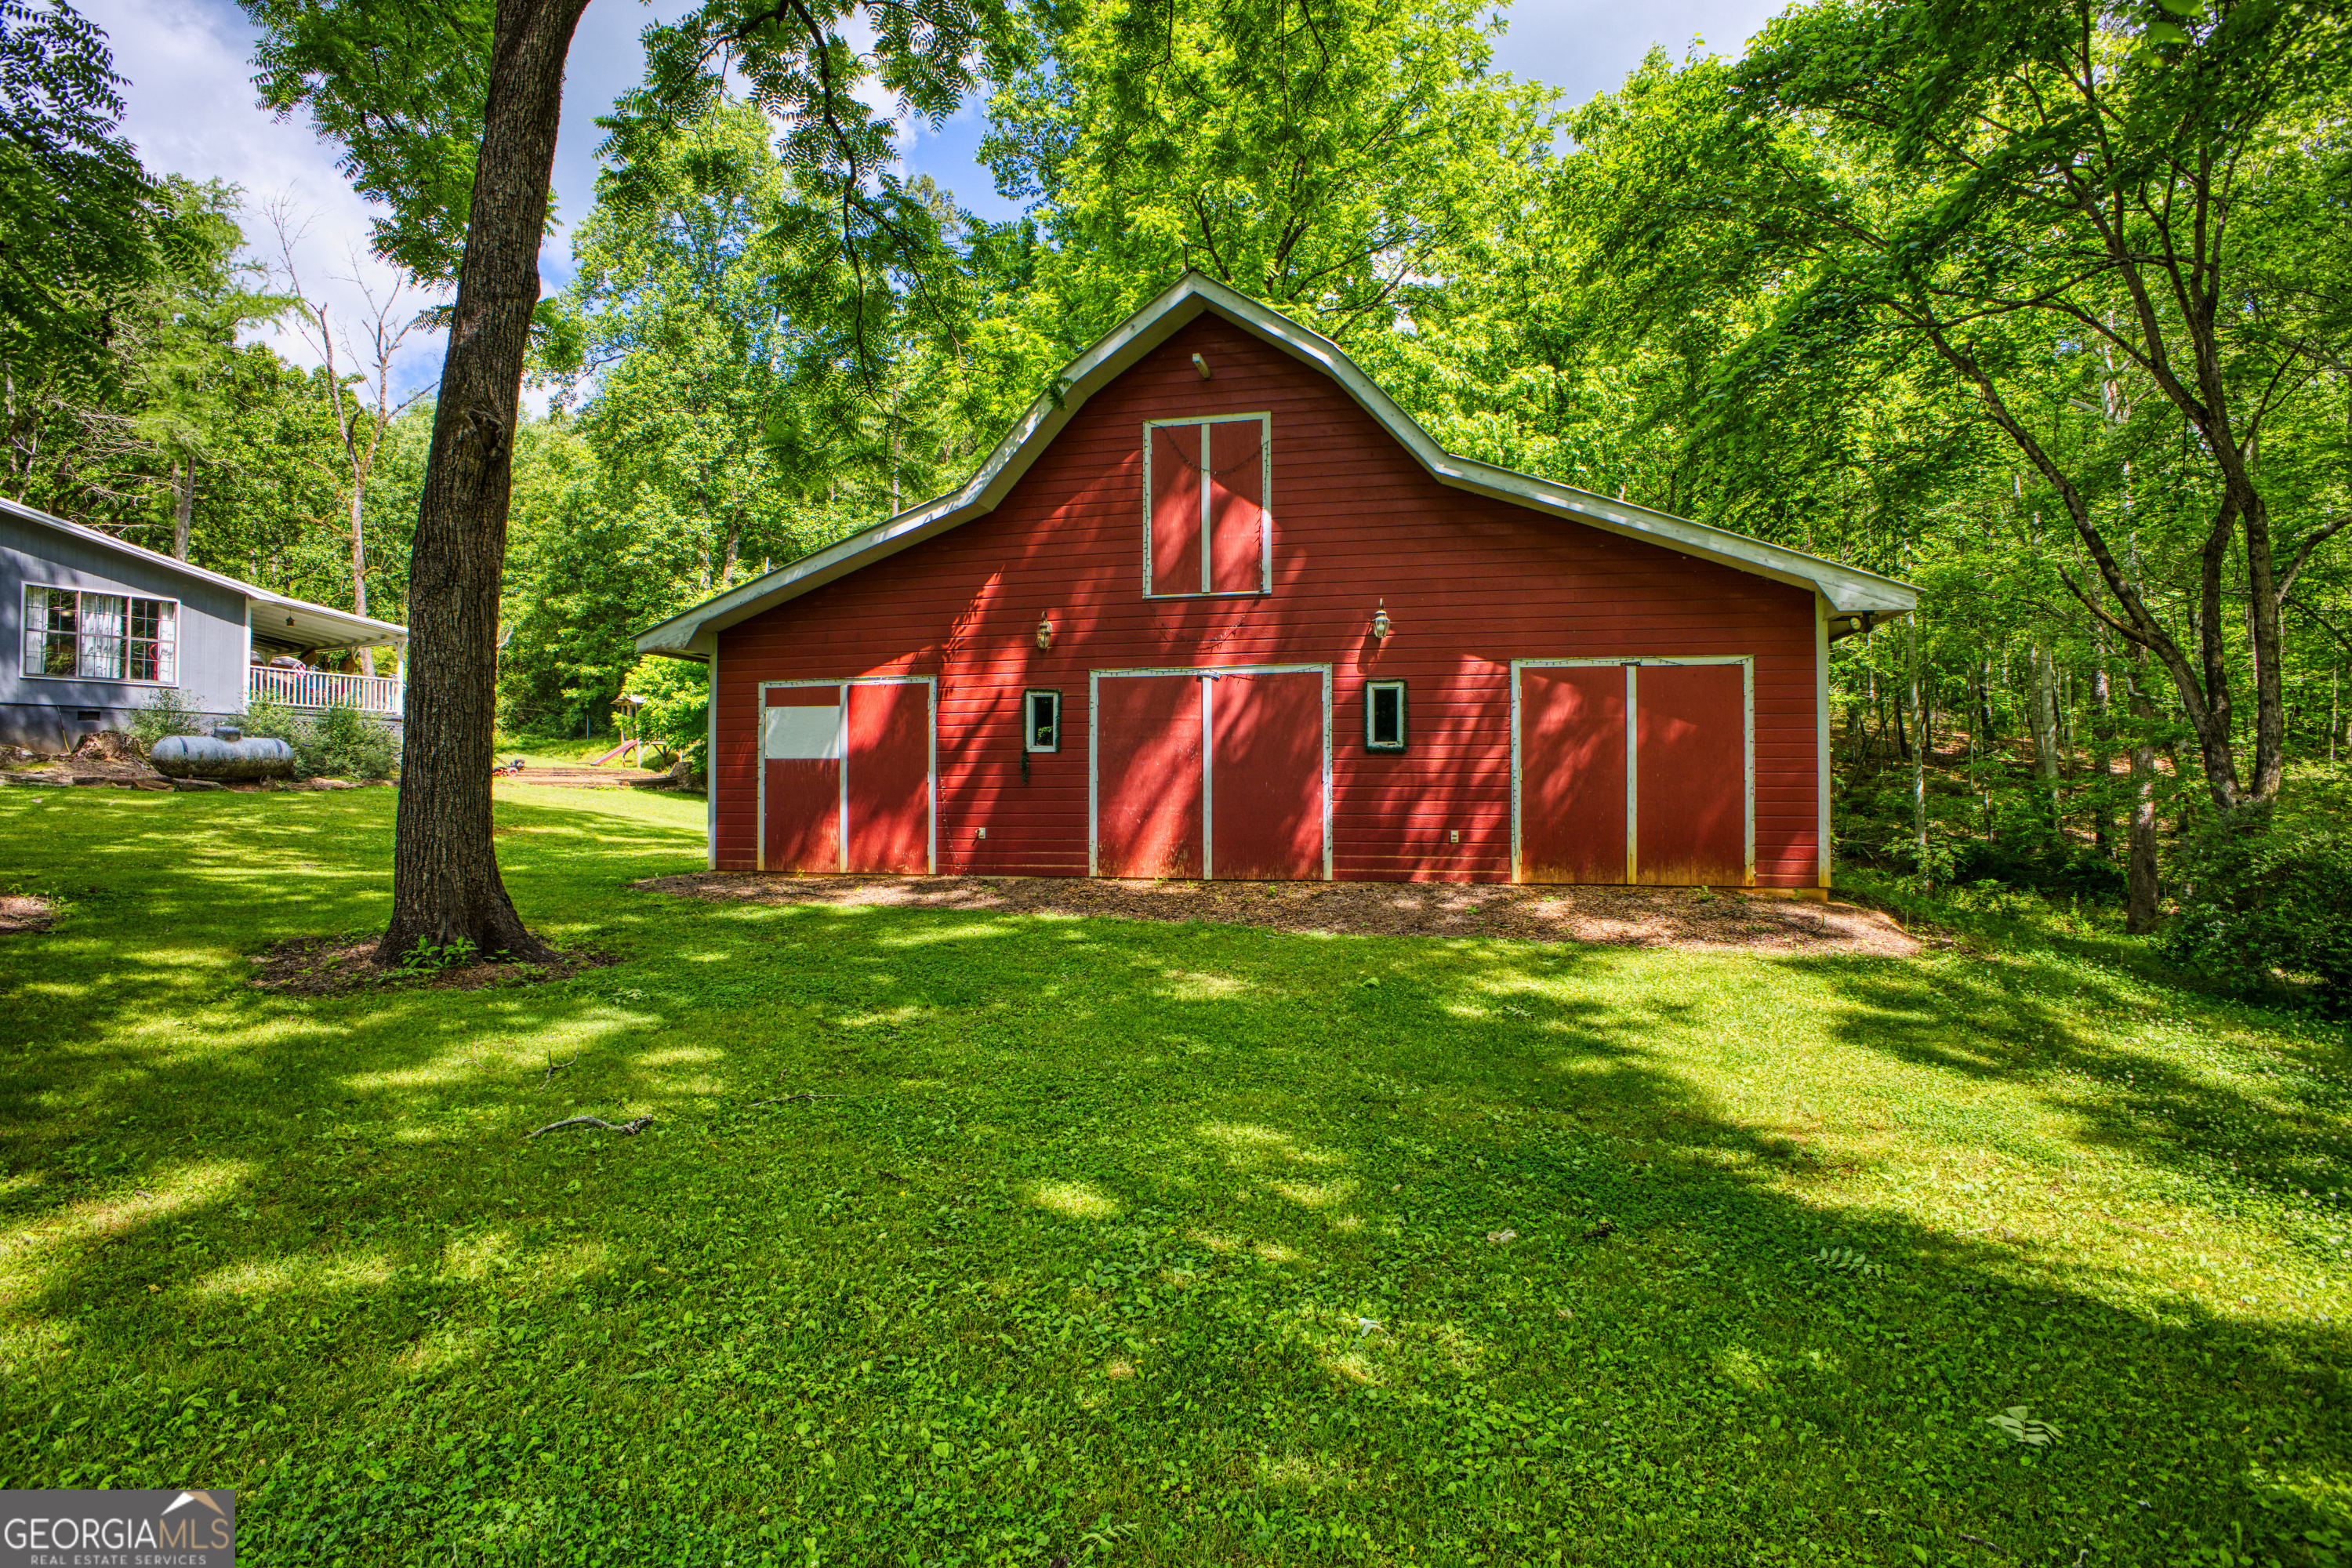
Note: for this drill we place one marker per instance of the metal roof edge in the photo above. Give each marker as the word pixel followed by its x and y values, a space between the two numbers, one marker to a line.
pixel 201 573
pixel 1847 588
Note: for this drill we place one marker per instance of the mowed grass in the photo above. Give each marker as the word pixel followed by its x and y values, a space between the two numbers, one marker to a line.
pixel 1133 1242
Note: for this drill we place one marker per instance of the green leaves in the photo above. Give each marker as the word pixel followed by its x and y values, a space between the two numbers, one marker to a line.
pixel 402 88
pixel 1845 1260
pixel 78 214
pixel 2018 1424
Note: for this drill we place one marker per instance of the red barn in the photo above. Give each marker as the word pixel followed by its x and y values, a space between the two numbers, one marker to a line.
pixel 1224 610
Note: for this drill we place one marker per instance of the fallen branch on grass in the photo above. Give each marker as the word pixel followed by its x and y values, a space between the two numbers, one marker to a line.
pixel 554 1066
pixel 627 1129
pixel 1988 1546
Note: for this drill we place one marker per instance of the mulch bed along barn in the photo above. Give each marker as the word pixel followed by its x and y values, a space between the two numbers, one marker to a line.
pixel 321 965
pixel 1623 917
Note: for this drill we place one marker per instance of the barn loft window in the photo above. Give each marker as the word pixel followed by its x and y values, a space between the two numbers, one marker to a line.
pixel 1041 721
pixel 1205 503
pixel 70 635
pixel 1384 715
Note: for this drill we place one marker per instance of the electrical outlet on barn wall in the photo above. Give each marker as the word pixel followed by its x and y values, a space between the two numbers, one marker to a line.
pixel 1453 835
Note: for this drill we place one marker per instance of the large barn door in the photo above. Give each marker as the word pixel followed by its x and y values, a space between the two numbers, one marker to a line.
pixel 1266 785
pixel 845 776
pixel 886 804
pixel 1639 770
pixel 1217 773
pixel 1691 767
pixel 1571 757
pixel 800 777
pixel 1148 776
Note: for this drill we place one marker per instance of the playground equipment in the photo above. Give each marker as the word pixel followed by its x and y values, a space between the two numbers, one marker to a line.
pixel 626 710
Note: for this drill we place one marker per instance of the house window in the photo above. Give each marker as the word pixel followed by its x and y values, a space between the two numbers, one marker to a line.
pixel 70 635
pixel 1205 484
pixel 1041 721
pixel 1384 715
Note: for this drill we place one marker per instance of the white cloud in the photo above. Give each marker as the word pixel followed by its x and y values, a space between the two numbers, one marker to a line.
pixel 191 110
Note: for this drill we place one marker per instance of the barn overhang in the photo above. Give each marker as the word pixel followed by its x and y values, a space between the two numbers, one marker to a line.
pixel 1847 591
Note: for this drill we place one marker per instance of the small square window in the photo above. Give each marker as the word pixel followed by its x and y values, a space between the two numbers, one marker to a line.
pixel 1384 715
pixel 1041 720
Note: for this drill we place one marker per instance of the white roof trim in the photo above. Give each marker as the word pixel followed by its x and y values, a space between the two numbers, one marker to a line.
pixel 1848 589
pixel 339 628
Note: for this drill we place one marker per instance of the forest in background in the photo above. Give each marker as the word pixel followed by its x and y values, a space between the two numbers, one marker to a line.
pixel 2046 309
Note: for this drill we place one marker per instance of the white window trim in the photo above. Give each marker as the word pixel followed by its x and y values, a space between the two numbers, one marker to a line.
pixel 1265 507
pixel 1028 725
pixel 178 609
pixel 1747 663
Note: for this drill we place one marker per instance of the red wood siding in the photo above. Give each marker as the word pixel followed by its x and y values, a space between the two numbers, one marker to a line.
pixel 1470 584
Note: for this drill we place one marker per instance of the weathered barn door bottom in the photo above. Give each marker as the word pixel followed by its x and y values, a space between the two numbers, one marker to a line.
pixel 1634 771
pixel 847 771
pixel 1216 773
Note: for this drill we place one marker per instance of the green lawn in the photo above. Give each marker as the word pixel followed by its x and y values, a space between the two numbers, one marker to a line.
pixel 1136 1243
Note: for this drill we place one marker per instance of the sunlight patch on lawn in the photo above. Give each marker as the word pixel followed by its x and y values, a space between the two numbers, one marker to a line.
pixel 1298 1472
pixel 311 1276
pixel 1741 1367
pixel 33 1249
pixel 1318 1195
pixel 1073 1200
pixel 932 938
pixel 1188 985
pixel 678 1055
pixel 1250 1145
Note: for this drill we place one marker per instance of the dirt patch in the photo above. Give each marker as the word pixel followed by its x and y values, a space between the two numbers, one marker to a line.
pixel 1620 917
pixel 322 965
pixel 20 915
pixel 64 773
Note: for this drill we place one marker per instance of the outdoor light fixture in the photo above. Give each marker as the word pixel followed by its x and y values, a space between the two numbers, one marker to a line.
pixel 1381 624
pixel 1045 631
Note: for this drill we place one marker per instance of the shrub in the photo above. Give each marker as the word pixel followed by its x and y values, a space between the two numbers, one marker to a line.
pixel 340 743
pixel 2258 895
pixel 676 715
pixel 347 744
pixel 165 713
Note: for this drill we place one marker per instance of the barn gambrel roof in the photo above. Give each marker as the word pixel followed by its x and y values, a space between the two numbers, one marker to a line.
pixel 1849 590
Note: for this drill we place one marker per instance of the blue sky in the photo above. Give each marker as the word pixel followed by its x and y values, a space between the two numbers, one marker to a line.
pixel 191 112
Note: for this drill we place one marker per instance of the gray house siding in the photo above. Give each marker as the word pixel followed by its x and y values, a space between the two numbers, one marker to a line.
pixel 47 713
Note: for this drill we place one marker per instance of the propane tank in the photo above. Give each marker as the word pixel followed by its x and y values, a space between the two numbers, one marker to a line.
pixel 208 757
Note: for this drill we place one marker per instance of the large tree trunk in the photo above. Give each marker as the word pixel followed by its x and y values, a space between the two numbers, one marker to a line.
pixel 444 881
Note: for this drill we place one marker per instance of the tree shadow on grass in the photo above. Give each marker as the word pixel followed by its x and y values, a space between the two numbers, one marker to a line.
pixel 1175 1238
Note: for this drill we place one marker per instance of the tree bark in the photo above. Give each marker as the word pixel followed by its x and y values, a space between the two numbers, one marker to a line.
pixel 183 505
pixel 445 889
pixel 2045 726
pixel 2141 888
pixel 359 570
pixel 1919 742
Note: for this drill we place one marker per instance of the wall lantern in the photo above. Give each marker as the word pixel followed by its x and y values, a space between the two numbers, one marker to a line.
pixel 1381 626
pixel 1045 631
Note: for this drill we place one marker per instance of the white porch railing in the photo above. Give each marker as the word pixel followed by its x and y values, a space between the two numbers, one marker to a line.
pixel 325 689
